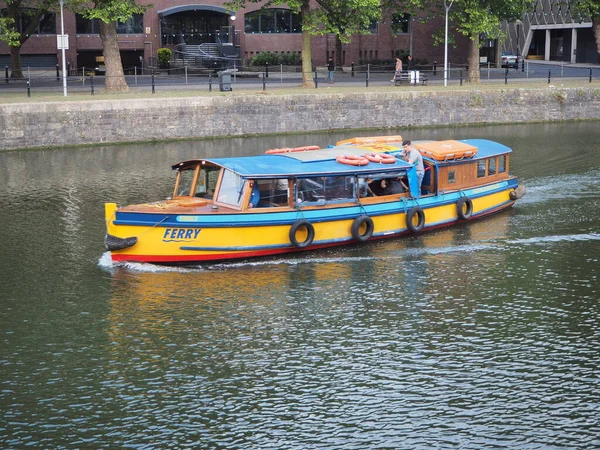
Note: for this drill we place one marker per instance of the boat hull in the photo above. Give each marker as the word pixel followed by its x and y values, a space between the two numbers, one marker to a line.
pixel 166 238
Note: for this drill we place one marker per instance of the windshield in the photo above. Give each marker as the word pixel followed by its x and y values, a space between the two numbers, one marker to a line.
pixel 232 188
pixel 207 182
pixel 184 186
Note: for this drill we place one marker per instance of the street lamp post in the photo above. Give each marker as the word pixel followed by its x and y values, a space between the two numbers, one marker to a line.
pixel 62 41
pixel 447 7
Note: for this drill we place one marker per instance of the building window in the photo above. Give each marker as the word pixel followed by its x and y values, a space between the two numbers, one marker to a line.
pixel 272 21
pixel 481 168
pixel 133 25
pixel 502 164
pixel 45 25
pixel 86 26
pixel 373 27
pixel 400 23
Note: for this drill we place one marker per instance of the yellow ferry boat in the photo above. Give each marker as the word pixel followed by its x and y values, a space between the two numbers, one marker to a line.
pixel 293 200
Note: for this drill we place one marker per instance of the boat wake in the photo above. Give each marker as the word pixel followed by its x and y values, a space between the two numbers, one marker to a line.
pixel 551 239
pixel 585 185
pixel 482 246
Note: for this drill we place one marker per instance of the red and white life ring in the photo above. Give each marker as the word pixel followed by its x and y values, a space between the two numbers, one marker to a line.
pixel 381 158
pixel 352 160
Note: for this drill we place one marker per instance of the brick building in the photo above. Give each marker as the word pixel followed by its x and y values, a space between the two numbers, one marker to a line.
pixel 184 24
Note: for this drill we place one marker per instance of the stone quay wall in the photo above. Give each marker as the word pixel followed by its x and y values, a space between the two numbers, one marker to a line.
pixel 59 124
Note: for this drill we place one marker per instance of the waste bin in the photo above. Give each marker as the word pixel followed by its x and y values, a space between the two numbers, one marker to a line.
pixel 225 80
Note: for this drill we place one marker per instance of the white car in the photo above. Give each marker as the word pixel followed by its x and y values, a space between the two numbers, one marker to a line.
pixel 509 59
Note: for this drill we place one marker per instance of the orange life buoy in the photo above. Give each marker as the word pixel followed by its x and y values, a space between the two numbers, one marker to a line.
pixel 382 158
pixel 306 148
pixel 275 151
pixel 352 160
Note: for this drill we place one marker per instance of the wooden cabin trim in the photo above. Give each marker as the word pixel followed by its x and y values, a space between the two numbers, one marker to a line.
pixel 465 174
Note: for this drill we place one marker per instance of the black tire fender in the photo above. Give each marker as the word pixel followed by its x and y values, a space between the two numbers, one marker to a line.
pixel 310 233
pixel 416 211
pixel 358 224
pixel 464 214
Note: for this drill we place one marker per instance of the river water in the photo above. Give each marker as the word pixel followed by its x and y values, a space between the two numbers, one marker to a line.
pixel 486 335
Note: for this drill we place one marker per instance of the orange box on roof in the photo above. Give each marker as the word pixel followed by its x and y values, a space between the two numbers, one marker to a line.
pixel 446 150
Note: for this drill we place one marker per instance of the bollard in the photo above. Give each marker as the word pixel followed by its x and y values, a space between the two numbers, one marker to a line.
pixel 68 68
pixel 57 74
pixel 267 70
pixel 549 72
pixel 316 79
pixel 506 76
pixel 523 65
pixel 6 72
pixel 209 82
pixel 92 83
pixel 153 90
pixel 367 78
pixel 351 70
pixel 434 68
pixel 590 74
pixel 461 78
pixel 28 88
pixel 264 77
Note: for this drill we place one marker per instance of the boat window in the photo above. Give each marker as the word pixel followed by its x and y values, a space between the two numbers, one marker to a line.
pixel 320 189
pixel 184 184
pixel 502 164
pixel 207 182
pixel 231 190
pixel 492 166
pixel 481 168
pixel 274 192
pixel 452 176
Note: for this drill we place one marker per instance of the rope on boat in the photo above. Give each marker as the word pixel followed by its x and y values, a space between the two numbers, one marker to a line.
pixel 155 225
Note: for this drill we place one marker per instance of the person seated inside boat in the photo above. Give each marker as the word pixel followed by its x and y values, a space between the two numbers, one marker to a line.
pixel 388 186
pixel 394 186
pixel 281 191
pixel 254 195
pixel 364 187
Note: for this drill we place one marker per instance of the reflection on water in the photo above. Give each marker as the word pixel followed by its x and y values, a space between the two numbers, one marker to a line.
pixel 485 335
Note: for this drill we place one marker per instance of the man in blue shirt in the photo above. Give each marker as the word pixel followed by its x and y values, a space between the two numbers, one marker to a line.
pixel 412 156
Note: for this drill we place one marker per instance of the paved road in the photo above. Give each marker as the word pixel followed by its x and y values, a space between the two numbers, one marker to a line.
pixel 47 81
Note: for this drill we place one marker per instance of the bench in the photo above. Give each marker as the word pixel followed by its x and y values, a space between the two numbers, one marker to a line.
pixel 405 76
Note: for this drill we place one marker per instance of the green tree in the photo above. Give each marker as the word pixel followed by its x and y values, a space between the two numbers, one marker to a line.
pixel 472 18
pixel 589 8
pixel 303 8
pixel 343 18
pixel 31 14
pixel 325 17
pixel 109 12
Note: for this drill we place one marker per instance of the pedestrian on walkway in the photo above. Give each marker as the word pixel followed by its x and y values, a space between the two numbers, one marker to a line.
pixel 330 70
pixel 397 70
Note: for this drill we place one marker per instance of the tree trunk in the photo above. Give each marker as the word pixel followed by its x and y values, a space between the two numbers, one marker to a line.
pixel 115 79
pixel 307 81
pixel 15 59
pixel 596 28
pixel 473 74
pixel 338 53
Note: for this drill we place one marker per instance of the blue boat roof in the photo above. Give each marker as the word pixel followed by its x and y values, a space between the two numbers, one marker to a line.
pixel 323 162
